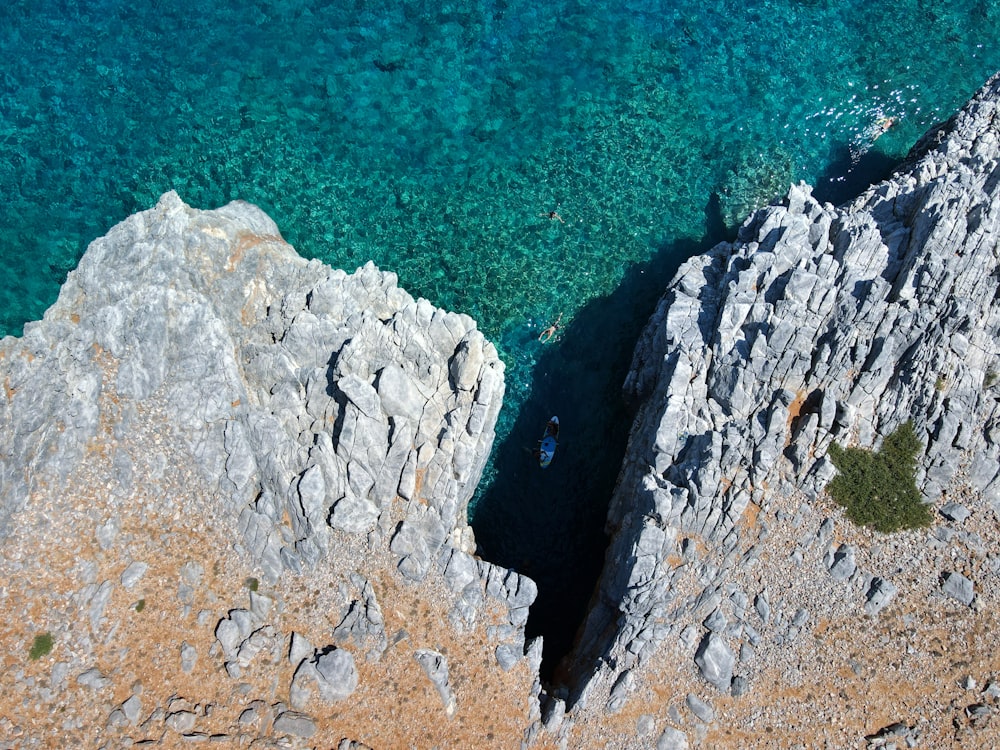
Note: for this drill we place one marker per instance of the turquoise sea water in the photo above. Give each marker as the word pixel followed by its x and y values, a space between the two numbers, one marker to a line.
pixel 429 136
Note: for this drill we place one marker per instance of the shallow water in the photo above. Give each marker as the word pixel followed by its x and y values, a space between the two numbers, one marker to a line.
pixel 430 137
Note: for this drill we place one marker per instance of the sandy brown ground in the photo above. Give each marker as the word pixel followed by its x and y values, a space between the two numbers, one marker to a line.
pixel 847 675
pixel 170 520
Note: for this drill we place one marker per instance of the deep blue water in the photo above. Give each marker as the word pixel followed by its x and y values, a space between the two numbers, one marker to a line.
pixel 429 136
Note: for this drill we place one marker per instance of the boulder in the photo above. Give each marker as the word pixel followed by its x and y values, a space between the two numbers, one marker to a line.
pixel 880 594
pixel 330 671
pixel 841 563
pixel 716 661
pixel 435 666
pixel 958 587
pixel 672 739
pixel 294 723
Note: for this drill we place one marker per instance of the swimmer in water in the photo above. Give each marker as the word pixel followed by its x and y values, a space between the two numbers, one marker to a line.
pixel 546 335
pixel 882 126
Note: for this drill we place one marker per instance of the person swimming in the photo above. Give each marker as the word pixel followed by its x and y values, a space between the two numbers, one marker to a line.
pixel 547 335
pixel 867 137
pixel 882 126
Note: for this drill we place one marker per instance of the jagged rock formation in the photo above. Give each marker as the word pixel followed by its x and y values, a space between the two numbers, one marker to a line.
pixel 233 488
pixel 297 385
pixel 252 411
pixel 818 324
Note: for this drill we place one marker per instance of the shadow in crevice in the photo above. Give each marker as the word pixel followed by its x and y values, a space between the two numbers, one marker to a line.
pixel 848 175
pixel 549 524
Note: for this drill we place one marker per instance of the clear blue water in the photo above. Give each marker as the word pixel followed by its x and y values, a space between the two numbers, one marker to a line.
pixel 429 136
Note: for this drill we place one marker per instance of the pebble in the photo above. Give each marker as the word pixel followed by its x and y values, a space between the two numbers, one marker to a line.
pixel 93 679
pixel 133 574
pixel 645 725
pixel 955 512
pixel 294 723
pixel 181 722
pixel 672 739
pixel 132 708
pixel 189 657
pixel 958 587
pixel 700 708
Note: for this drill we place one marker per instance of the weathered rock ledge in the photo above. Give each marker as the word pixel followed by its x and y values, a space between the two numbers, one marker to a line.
pixel 234 488
pixel 819 324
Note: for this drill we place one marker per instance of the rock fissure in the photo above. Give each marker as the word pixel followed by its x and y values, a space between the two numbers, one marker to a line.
pixel 881 332
pixel 249 476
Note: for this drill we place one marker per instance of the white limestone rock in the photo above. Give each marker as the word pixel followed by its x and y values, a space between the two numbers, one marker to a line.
pixel 716 661
pixel 818 324
pixel 330 671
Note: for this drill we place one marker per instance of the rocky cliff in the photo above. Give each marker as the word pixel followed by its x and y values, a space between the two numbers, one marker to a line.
pixel 819 324
pixel 234 489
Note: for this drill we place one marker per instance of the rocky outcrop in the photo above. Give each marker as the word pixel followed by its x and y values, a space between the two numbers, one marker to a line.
pixel 336 425
pixel 233 487
pixel 305 391
pixel 819 324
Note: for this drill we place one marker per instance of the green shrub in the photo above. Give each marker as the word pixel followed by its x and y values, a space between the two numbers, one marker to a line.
pixel 878 489
pixel 252 583
pixel 41 646
pixel 140 605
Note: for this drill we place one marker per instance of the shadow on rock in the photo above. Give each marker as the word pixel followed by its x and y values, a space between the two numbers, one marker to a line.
pixel 549 523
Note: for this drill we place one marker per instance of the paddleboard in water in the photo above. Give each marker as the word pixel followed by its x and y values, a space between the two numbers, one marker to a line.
pixel 547 447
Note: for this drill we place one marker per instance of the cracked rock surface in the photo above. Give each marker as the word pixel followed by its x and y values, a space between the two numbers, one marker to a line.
pixel 233 490
pixel 817 325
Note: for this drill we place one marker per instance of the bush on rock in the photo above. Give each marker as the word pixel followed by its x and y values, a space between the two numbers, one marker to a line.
pixel 878 488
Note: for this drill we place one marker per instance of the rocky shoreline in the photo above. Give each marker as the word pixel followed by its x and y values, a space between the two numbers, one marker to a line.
pixel 242 436
pixel 233 492
pixel 818 324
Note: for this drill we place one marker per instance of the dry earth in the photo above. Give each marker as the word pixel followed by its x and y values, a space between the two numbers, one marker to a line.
pixel 54 568
pixel 923 661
